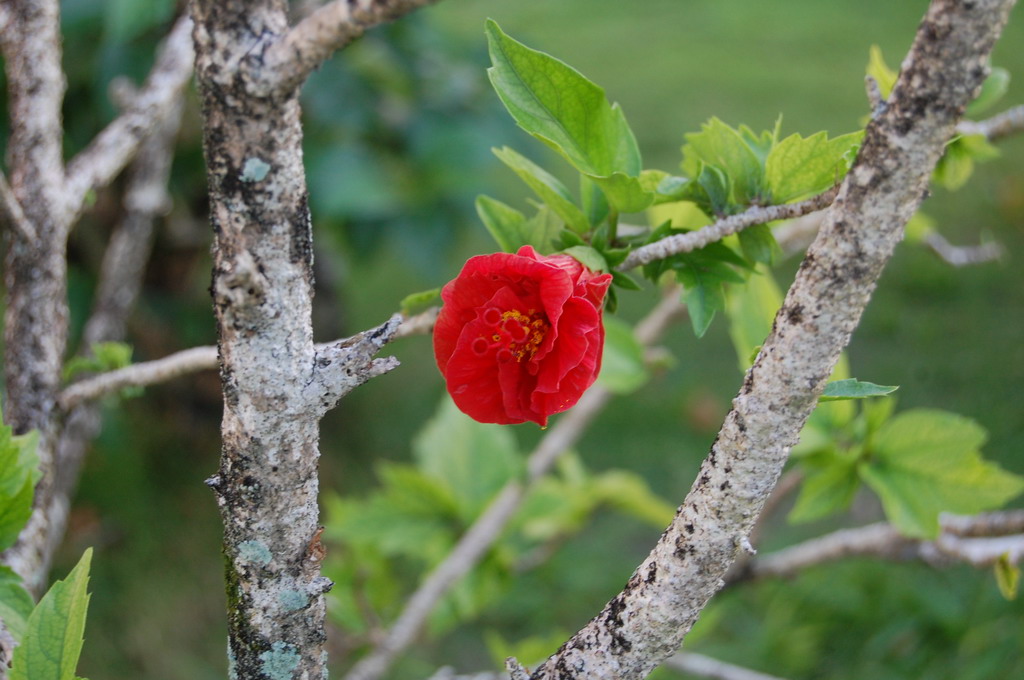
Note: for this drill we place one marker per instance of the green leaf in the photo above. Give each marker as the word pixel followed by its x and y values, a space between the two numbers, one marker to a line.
pixel 851 388
pixel 623 369
pixel 720 145
pixel 883 75
pixel 703 296
pixel 595 205
pixel 992 90
pixel 829 485
pixel 505 223
pixel 542 230
pixel 751 309
pixel 18 476
pixel 1007 577
pixel 925 462
pixel 957 163
pixel 415 302
pixel 588 257
pixel 15 603
pixel 759 245
pixel 52 641
pixel 626 193
pixel 547 187
pixel 798 167
pixel 104 356
pixel 629 493
pixel 472 459
pixel 555 103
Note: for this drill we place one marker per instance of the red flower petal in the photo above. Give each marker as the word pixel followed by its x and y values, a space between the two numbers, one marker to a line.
pixel 520 336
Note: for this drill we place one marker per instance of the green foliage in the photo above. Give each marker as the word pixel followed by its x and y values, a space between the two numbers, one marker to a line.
pixel 924 462
pixel 15 603
pixel 559 106
pixel 992 90
pixel 880 71
pixel 52 638
pixel 798 167
pixel 622 367
pixel 415 302
pixel 18 476
pixel 851 388
pixel 104 356
pixel 732 153
pixel 1007 577
pixel 471 460
pixel 547 187
pixel 419 512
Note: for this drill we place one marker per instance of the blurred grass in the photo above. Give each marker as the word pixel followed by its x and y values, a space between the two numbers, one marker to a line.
pixel 951 338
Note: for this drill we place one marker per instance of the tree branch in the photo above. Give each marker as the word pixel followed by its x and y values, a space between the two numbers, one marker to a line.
pixel 478 539
pixel 706 667
pixel 1007 123
pixel 978 541
pixel 962 256
pixel 288 62
pixel 684 243
pixel 12 212
pixel 647 621
pixel 112 149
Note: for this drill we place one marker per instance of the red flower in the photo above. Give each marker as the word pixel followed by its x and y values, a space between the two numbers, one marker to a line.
pixel 520 336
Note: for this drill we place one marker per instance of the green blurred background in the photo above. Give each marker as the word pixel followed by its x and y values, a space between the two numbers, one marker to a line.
pixel 398 145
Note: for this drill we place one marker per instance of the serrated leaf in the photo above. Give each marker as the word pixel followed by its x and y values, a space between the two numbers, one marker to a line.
pixel 1007 577
pixel 547 187
pixel 851 388
pixel 52 641
pixel 15 603
pixel 925 462
pixel 472 459
pixel 415 302
pixel 883 75
pixel 505 223
pixel 622 367
pixel 720 145
pixel 798 167
pixel 558 105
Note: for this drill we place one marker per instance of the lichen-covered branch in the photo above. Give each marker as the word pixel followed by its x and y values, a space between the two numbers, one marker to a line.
pixel 288 60
pixel 645 624
pixel 276 385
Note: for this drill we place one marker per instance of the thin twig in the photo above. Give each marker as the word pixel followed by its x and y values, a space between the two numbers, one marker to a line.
pixel 707 667
pixel 187 361
pixel 1007 123
pixel 114 147
pixel 488 527
pixel 962 256
pixel 978 541
pixel 12 212
pixel 288 62
pixel 684 243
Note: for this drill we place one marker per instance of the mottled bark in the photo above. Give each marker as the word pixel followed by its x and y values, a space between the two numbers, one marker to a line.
pixel 276 385
pixel 647 621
